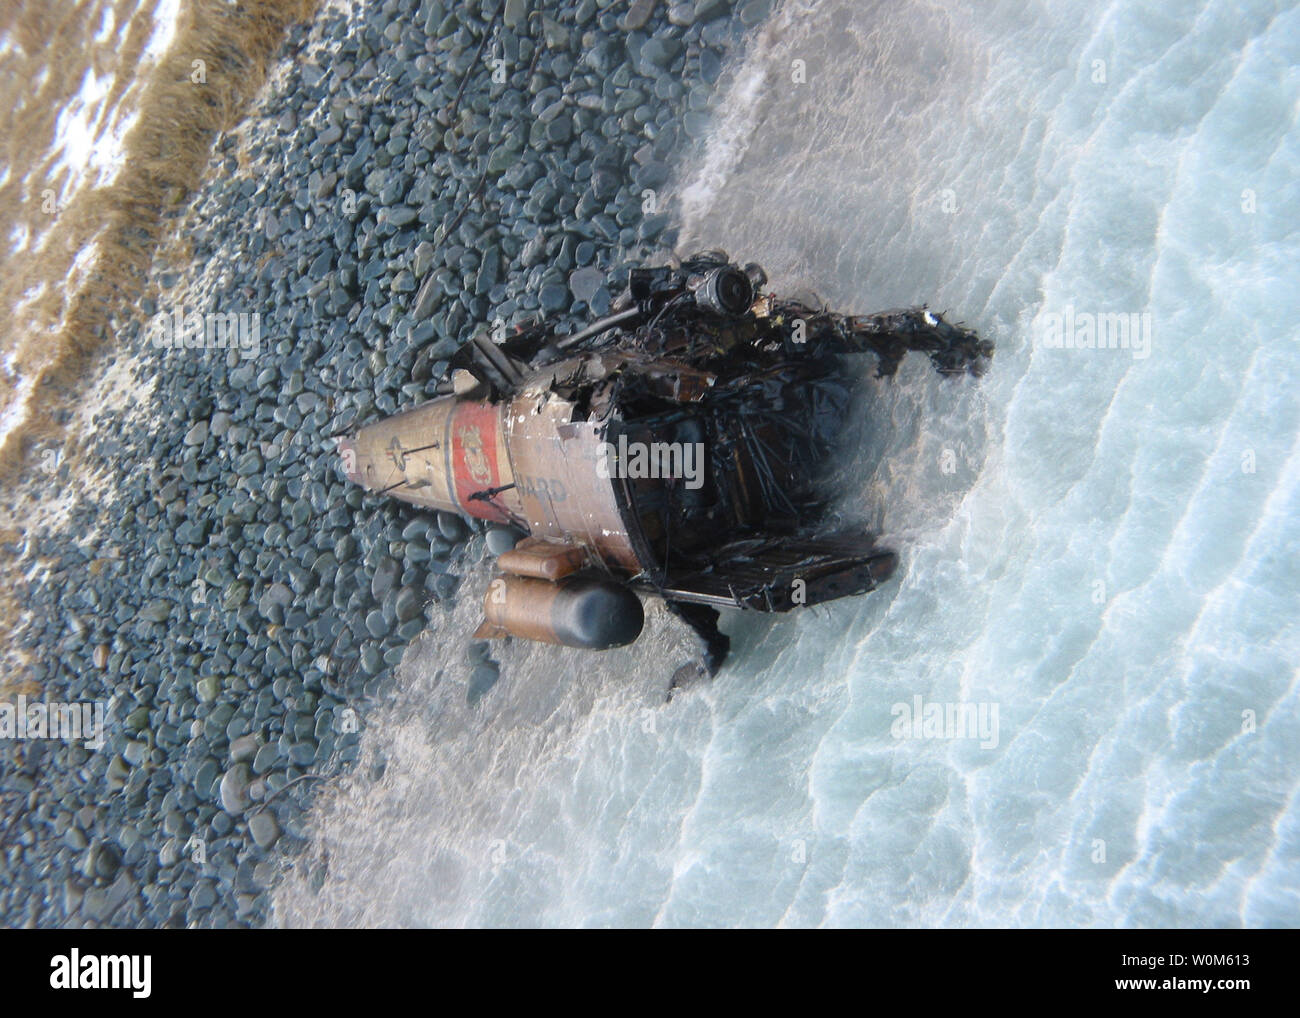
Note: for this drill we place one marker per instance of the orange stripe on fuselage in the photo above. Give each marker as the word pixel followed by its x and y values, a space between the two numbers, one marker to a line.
pixel 474 463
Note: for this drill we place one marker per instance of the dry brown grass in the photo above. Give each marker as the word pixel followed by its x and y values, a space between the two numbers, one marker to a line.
pixel 54 334
pixel 166 152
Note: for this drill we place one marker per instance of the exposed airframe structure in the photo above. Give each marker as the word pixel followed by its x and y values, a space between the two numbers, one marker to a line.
pixel 676 448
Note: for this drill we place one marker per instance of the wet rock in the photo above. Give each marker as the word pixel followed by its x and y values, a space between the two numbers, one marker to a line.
pixel 204 894
pixel 658 53
pixel 234 788
pixel 500 540
pixel 583 283
pixel 156 611
pixel 377 625
pixel 401 215
pixel 264 828
pixel 220 424
pixel 267 757
pixel 243 749
pixel 638 15
pixel 134 753
pixel 408 605
pixel 452 527
pixel 514 13
pixel 481 679
pixel 101 903
pixel 682 13
pixel 554 33
pixel 386 574
pixel 554 298
pixel 755 11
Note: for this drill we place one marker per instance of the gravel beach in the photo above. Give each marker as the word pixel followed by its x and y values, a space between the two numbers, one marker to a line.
pixel 415 172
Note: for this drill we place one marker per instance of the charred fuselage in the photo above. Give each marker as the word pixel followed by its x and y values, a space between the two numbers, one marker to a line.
pixel 677 447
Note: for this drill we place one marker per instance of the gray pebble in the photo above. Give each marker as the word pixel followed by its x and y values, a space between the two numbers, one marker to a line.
pixel 264 828
pixel 234 788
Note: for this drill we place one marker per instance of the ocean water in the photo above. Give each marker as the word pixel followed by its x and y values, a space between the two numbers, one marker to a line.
pixel 1100 548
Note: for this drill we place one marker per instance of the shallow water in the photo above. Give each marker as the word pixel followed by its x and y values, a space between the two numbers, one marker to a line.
pixel 1100 544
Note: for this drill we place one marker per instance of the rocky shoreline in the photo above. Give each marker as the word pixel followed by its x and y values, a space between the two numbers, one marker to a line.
pixel 416 172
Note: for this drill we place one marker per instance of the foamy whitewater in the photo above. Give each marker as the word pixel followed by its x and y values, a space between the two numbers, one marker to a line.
pixel 1100 547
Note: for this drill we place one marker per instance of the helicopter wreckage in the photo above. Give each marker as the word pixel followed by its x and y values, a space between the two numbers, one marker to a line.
pixel 675 448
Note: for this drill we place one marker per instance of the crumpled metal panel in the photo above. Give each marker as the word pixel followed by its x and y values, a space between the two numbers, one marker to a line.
pixel 557 480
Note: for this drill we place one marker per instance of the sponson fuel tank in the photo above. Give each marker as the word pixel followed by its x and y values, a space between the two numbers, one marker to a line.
pixel 577 611
pixel 679 448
